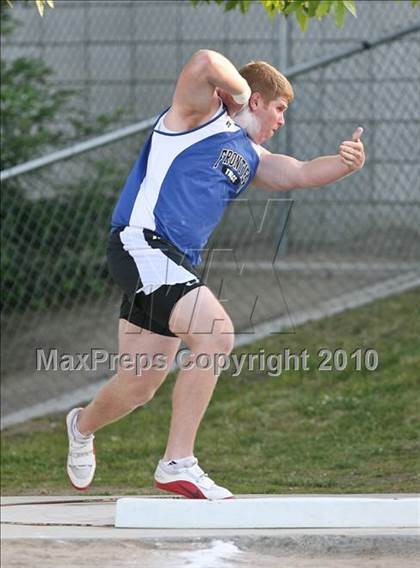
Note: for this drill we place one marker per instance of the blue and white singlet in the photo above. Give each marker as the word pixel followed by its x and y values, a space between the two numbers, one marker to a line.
pixel 182 182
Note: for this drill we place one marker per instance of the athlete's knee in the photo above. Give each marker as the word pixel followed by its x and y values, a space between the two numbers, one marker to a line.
pixel 223 342
pixel 142 394
pixel 139 390
pixel 142 397
pixel 219 342
pixel 225 339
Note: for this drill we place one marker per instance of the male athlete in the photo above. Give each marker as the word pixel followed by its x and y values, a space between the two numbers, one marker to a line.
pixel 203 152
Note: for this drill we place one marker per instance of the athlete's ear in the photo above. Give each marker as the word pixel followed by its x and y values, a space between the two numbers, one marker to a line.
pixel 255 100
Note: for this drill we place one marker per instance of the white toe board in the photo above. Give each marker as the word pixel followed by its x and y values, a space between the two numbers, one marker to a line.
pixel 270 512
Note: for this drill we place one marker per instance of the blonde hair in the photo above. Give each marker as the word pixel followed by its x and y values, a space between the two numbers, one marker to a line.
pixel 264 78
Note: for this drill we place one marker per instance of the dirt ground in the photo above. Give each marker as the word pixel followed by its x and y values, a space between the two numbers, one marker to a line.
pixel 216 554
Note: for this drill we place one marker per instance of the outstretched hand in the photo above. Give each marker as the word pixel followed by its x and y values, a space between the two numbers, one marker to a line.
pixel 352 152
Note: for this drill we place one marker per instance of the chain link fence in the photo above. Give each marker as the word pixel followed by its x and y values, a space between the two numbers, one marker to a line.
pixel 302 248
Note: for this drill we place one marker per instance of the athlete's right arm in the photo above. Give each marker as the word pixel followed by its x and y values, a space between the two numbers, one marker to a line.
pixel 196 97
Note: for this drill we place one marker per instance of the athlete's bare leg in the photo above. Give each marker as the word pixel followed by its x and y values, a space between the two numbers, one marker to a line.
pixel 127 390
pixel 200 320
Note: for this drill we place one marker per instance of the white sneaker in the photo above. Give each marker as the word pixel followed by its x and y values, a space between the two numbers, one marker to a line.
pixel 81 462
pixel 190 481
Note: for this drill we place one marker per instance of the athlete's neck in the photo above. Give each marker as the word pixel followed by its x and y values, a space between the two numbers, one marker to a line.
pixel 248 121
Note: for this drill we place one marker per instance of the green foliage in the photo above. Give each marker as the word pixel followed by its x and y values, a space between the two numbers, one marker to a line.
pixel 304 10
pixel 40 4
pixel 28 108
pixel 35 116
pixel 53 242
pixel 53 249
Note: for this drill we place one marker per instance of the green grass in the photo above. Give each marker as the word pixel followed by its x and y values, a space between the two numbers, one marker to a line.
pixel 304 431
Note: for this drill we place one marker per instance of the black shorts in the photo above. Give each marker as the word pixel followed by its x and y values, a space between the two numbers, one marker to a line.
pixel 153 275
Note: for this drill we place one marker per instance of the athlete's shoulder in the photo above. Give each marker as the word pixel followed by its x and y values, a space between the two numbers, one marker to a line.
pixel 258 149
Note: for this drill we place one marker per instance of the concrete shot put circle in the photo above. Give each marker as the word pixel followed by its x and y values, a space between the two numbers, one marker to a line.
pixel 259 531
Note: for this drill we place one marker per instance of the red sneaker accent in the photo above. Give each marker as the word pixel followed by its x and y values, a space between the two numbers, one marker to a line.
pixel 185 488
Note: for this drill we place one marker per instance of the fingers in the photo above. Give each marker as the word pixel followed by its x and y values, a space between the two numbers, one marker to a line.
pixel 352 152
pixel 227 99
pixel 352 155
pixel 347 161
pixel 351 144
pixel 357 134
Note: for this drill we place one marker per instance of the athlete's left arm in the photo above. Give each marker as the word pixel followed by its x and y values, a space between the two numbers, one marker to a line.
pixel 277 172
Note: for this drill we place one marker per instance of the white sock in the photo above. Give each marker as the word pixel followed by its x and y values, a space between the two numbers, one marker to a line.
pixel 75 430
pixel 177 463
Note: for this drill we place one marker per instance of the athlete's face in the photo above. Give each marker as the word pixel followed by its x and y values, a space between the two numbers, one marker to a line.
pixel 264 118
